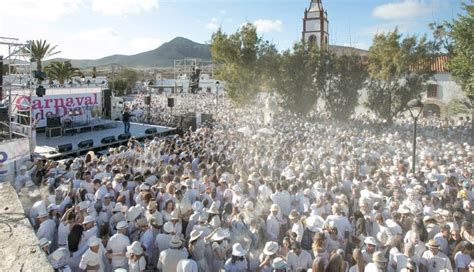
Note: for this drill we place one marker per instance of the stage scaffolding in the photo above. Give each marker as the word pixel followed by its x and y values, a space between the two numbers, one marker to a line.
pixel 18 88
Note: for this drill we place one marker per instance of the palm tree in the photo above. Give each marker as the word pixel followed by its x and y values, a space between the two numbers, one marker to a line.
pixel 61 71
pixel 40 50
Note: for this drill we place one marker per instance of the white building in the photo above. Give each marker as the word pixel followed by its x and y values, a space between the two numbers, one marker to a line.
pixel 442 90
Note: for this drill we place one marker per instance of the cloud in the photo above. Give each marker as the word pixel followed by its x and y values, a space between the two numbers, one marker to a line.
pixel 403 27
pixel 223 11
pixel 44 11
pixel 123 7
pixel 213 24
pixel 403 10
pixel 139 45
pixel 85 44
pixel 268 25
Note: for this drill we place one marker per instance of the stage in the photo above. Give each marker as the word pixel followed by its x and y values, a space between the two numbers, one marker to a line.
pixel 48 147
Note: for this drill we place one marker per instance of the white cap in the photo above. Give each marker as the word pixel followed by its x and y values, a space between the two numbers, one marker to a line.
pixel 93 241
pixel 122 225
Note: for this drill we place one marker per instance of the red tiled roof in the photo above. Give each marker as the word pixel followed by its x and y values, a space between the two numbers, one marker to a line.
pixel 437 64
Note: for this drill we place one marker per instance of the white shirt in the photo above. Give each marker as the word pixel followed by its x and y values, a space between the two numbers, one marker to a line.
pixel 118 244
pixel 187 265
pixel 162 241
pixel 283 199
pixel 63 233
pixel 137 266
pixel 298 228
pixel 442 242
pixel 294 261
pixel 273 227
pixel 168 260
pixel 90 258
pixel 435 263
pixel 462 260
pixel 47 230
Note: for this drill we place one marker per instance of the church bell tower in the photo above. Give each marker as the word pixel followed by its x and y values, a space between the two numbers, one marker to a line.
pixel 315 25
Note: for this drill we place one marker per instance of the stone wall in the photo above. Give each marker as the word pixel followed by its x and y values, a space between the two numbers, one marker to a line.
pixel 19 250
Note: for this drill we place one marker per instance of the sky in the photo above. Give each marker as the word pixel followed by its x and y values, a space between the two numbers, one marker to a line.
pixel 90 29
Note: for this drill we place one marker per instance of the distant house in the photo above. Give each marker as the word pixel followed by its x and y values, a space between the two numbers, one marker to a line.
pixel 442 90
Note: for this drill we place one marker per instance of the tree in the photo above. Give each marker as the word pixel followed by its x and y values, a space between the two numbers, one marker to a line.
pixel 240 57
pixel 461 64
pixel 40 50
pixel 119 86
pixel 338 80
pixel 130 76
pixel 61 71
pixel 398 72
pixel 295 81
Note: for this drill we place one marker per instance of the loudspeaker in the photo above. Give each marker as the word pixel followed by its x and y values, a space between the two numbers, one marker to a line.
pixel 1 77
pixel 206 118
pixel 171 102
pixel 124 136
pixel 85 144
pixel 108 140
pixel 64 148
pixel 4 115
pixel 107 103
pixel 40 91
pixel 53 121
pixel 147 100
pixel 189 122
pixel 151 131
pixel 23 117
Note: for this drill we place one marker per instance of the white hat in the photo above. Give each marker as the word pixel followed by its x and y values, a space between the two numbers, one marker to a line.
pixel 122 225
pixel 135 248
pixel 175 242
pixel 83 205
pixel 220 234
pixel 271 248
pixel 278 263
pixel 144 186
pixel 198 206
pixel 174 215
pixel 238 250
pixel 23 167
pixel 94 241
pixel 378 257
pixel 52 206
pixel 44 242
pixel 311 224
pixel 274 207
pixel 59 257
pixel 134 212
pixel 369 240
pixel 195 234
pixel 168 227
pixel 213 209
pixel 88 219
pixel 42 213
pixel 118 207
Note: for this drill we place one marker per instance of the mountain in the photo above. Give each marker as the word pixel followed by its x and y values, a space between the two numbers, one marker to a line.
pixel 163 56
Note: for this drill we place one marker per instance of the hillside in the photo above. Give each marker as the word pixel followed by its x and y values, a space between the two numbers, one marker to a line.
pixel 163 56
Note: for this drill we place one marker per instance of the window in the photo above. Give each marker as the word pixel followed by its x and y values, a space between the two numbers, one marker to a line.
pixel 432 91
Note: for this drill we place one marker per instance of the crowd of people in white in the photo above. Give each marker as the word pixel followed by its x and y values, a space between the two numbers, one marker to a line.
pixel 305 194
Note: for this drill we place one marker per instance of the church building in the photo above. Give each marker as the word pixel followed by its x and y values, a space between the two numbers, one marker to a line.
pixel 315 25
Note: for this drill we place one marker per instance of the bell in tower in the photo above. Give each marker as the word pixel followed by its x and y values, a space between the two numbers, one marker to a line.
pixel 315 25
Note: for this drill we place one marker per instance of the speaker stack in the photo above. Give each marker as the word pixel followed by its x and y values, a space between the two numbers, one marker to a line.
pixel 171 102
pixel 147 100
pixel 53 121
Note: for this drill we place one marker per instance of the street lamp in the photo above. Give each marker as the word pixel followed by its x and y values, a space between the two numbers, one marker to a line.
pixel 217 96
pixel 416 107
